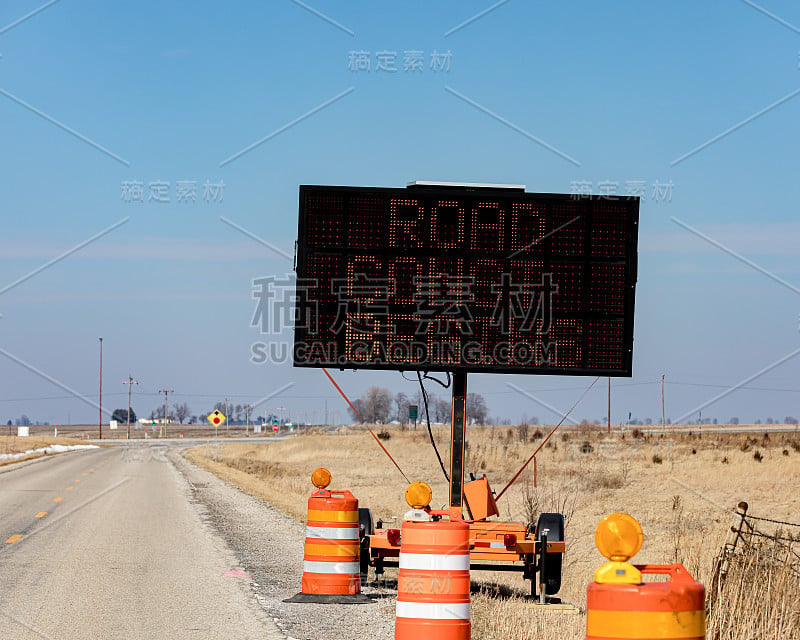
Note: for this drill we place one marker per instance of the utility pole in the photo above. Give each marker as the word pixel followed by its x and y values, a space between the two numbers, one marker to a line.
pixel 326 412
pixel 281 409
pixel 609 404
pixel 662 401
pixel 130 382
pixel 100 419
pixel 227 415
pixel 247 409
pixel 166 393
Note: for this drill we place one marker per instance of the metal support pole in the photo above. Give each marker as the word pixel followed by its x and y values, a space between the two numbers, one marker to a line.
pixel 457 439
pixel 100 419
pixel 543 566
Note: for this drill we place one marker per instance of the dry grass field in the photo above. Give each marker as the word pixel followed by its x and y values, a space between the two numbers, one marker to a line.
pixel 681 487
pixel 14 444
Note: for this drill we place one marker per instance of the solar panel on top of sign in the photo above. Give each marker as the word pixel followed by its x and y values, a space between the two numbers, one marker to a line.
pixel 459 279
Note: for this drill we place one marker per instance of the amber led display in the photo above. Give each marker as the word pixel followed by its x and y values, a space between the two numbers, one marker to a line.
pixel 465 279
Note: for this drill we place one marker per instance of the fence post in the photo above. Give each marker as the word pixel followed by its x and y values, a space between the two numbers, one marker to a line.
pixel 733 538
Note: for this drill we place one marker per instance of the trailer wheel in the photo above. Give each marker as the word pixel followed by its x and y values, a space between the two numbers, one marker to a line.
pixel 550 563
pixel 365 529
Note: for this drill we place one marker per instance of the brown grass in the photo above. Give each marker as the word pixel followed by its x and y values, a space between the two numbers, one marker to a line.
pixel 684 502
pixel 14 444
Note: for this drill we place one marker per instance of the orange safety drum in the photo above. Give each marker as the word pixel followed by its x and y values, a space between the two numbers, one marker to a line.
pixel 330 559
pixel 652 610
pixel 433 583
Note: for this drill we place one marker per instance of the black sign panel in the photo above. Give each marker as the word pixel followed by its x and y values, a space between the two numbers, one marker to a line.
pixel 465 279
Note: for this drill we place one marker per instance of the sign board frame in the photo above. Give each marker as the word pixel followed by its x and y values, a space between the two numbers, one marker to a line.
pixel 574 257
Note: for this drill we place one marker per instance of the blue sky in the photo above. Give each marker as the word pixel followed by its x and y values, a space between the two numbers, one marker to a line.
pixel 166 92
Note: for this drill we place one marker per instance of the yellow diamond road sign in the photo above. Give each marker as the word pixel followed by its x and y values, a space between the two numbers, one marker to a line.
pixel 216 417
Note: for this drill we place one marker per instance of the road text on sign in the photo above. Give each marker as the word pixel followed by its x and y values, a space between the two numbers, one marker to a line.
pixel 465 279
pixel 216 417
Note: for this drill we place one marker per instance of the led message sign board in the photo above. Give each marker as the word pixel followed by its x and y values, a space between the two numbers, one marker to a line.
pixel 465 279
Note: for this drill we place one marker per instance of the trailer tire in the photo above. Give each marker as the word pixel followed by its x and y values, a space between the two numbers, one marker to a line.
pixel 365 529
pixel 550 562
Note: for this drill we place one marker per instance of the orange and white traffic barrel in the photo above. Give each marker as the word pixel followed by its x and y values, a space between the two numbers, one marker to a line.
pixel 620 605
pixel 330 559
pixel 433 583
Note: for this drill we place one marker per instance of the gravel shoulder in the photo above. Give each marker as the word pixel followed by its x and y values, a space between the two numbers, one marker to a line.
pixel 268 546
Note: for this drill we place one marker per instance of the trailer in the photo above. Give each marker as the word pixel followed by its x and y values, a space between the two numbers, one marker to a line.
pixel 533 549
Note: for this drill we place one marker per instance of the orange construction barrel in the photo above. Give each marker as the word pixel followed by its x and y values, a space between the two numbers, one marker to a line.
pixel 330 559
pixel 433 583
pixel 621 605
pixel 673 609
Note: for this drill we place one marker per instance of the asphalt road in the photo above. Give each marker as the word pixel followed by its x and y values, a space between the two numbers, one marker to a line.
pixel 108 543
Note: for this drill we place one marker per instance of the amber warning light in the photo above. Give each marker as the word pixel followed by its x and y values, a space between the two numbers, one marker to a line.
pixel 454 279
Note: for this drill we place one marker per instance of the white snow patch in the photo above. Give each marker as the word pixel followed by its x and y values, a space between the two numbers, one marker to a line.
pixel 53 448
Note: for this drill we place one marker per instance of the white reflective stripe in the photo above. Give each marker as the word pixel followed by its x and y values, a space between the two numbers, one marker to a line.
pixel 332 533
pixel 310 566
pixel 433 610
pixel 433 562
pixel 497 545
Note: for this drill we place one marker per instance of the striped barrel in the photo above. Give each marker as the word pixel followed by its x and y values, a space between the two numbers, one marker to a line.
pixel 653 610
pixel 330 560
pixel 433 584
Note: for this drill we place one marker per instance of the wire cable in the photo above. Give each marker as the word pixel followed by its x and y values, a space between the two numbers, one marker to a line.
pixel 428 420
pixel 497 497
pixel 437 381
pixel 372 433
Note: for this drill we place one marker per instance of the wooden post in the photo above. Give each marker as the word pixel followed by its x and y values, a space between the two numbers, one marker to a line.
pixel 733 538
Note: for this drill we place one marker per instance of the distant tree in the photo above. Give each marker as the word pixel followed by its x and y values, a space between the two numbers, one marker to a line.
pixel 158 413
pixel 770 421
pixel 23 421
pixel 789 420
pixel 714 421
pixel 477 411
pixel 401 407
pixel 182 411
pixel 237 413
pixel 734 420
pixel 377 404
pixel 193 420
pixel 439 408
pixel 648 421
pixel 121 415
pixel 357 410
pixel 10 423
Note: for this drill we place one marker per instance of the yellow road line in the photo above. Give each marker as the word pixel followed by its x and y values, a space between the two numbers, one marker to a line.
pixel 14 538
pixel 77 479
pixel 84 474
pixel 59 499
pixel 69 488
pixel 41 514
